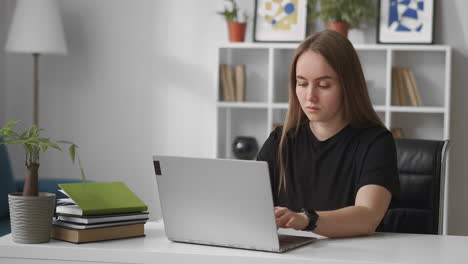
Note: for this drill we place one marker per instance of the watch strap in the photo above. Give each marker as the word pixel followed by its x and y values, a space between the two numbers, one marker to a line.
pixel 313 217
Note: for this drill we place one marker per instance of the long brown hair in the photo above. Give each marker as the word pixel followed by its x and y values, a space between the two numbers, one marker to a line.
pixel 357 107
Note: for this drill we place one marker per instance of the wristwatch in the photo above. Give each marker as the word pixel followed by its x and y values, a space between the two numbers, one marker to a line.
pixel 313 217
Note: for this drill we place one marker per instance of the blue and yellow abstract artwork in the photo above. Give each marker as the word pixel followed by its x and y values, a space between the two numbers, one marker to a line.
pixel 280 20
pixel 281 15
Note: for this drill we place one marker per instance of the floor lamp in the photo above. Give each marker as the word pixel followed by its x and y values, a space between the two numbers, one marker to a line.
pixel 36 28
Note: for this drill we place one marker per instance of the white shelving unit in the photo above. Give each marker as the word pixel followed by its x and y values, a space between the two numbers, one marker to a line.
pixel 267 86
pixel 267 70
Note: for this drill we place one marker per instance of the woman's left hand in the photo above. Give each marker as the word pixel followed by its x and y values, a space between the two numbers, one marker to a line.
pixel 286 218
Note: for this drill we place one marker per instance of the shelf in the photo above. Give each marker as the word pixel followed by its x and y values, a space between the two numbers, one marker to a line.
pixel 267 89
pixel 382 47
pixel 233 123
pixel 379 108
pixel 255 45
pixel 242 105
pixel 417 109
pixel 416 125
pixel 280 106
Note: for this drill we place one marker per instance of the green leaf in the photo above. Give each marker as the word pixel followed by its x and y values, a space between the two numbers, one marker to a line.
pixel 55 146
pixel 83 177
pixel 43 147
pixel 28 147
pixel 16 141
pixel 72 151
pixel 33 131
pixel 32 140
pixel 24 134
pixel 44 140
pixel 12 123
pixel 350 11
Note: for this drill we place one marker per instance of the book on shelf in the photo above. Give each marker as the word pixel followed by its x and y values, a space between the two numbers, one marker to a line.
pixel 97 234
pixel 95 219
pixel 240 82
pixel 98 198
pixel 396 100
pixel 227 81
pixel 97 225
pixel 414 87
pixel 223 84
pixel 397 132
pixel 405 90
pixel 232 83
pixel 401 87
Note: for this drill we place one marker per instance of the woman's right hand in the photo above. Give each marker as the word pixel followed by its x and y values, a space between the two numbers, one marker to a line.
pixel 286 218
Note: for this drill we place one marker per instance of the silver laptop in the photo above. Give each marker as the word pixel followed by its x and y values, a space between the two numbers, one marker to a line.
pixel 220 202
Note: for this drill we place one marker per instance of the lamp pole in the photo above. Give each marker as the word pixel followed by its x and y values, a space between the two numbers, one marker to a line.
pixel 36 89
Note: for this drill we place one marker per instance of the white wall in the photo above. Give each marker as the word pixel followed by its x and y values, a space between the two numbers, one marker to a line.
pixel 100 95
pixel 3 33
pixel 139 80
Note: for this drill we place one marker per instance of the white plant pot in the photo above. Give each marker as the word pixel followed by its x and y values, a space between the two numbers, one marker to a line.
pixel 31 217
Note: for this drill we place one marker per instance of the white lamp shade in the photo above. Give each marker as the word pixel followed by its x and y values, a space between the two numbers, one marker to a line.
pixel 36 28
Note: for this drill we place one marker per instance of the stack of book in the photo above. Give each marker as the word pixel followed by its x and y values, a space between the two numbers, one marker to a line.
pixel 232 82
pixel 98 211
pixel 405 90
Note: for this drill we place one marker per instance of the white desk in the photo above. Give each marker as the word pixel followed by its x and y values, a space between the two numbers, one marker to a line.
pixel 155 248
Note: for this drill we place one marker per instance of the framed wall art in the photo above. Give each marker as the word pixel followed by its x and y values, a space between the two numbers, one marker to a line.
pixel 280 20
pixel 406 22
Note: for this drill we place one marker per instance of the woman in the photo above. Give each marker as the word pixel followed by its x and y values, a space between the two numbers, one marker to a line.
pixel 333 164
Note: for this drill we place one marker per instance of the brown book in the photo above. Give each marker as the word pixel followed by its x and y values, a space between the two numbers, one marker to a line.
pixel 409 87
pixel 224 84
pixel 230 81
pixel 397 132
pixel 401 85
pixel 402 91
pixel 395 87
pixel 240 82
pixel 97 234
pixel 415 87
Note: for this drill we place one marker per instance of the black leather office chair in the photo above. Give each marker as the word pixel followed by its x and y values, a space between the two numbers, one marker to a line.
pixel 421 167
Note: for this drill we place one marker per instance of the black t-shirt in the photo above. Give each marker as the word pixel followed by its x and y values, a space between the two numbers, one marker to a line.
pixel 326 175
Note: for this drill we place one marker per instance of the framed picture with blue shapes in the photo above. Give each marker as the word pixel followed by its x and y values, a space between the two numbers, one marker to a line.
pixel 280 20
pixel 405 22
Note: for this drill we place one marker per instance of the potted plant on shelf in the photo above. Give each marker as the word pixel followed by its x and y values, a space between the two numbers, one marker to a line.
pixel 236 19
pixel 341 15
pixel 31 211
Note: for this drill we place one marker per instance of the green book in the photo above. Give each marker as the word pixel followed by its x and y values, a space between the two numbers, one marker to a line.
pixel 99 198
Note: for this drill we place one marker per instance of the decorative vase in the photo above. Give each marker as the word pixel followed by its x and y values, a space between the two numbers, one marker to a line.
pixel 338 26
pixel 31 217
pixel 245 148
pixel 236 31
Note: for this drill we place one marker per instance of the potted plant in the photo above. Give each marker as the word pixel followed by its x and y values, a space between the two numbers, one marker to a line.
pixel 236 19
pixel 341 15
pixel 31 211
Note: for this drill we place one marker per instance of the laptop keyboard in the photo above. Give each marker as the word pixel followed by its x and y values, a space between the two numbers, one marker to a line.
pixel 286 241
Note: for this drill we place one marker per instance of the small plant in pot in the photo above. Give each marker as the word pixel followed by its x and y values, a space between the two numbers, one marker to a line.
pixel 341 15
pixel 236 19
pixel 31 212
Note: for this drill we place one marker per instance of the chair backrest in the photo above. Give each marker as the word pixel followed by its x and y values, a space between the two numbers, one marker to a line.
pixel 421 167
pixel 6 179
